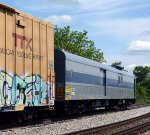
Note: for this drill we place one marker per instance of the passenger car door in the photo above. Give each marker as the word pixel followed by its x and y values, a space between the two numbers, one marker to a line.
pixel 120 84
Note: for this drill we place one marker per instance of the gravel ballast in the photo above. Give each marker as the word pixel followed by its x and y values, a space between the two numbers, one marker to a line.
pixel 58 128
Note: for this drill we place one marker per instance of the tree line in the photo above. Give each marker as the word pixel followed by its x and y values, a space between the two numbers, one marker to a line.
pixel 142 74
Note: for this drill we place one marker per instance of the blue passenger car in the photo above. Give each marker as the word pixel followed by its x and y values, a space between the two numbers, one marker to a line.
pixel 89 84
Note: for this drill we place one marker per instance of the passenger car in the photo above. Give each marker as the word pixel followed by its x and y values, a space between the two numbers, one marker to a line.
pixel 85 84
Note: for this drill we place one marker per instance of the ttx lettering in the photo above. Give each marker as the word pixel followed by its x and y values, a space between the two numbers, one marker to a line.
pixel 24 41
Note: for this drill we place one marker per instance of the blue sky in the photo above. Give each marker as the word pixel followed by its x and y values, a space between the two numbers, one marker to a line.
pixel 120 28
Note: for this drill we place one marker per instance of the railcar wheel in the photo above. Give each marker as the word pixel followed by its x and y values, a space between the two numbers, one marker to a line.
pixel 21 116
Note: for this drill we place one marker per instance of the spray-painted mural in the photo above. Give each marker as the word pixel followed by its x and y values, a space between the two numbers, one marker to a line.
pixel 15 91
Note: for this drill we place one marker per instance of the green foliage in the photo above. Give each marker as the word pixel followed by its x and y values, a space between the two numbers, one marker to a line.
pixel 143 84
pixel 146 81
pixel 77 43
pixel 117 65
pixel 141 73
pixel 142 95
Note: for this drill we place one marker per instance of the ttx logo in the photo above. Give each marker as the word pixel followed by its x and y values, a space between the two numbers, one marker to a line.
pixel 24 41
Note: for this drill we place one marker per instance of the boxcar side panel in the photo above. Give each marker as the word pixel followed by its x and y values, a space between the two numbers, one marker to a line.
pixel 2 54
pixel 9 94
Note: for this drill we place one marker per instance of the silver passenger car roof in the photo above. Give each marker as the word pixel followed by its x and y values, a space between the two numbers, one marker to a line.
pixel 82 60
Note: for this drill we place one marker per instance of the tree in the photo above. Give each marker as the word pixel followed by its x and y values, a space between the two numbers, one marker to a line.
pixel 146 82
pixel 141 73
pixel 117 65
pixel 142 95
pixel 143 83
pixel 77 43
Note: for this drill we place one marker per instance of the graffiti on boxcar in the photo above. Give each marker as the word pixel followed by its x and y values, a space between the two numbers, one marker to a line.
pixel 31 91
pixel 5 88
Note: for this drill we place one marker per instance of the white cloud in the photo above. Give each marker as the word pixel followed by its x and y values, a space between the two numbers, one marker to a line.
pixel 132 66
pixel 89 5
pixel 139 46
pixel 111 7
pixel 63 2
pixel 145 33
pixel 129 61
pixel 103 7
pixel 121 27
pixel 59 19
pixel 46 5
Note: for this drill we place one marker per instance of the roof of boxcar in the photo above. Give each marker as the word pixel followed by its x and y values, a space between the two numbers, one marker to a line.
pixel 7 7
pixel 25 15
pixel 79 59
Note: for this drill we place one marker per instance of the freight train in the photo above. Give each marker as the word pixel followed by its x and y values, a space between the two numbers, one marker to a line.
pixel 34 76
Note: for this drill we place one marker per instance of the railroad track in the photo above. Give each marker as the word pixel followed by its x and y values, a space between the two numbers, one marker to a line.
pixel 132 126
pixel 134 106
pixel 10 123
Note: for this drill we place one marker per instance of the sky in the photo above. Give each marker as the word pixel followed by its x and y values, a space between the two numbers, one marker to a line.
pixel 120 28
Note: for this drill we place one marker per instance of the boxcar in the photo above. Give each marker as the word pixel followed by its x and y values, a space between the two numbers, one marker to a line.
pixel 85 84
pixel 26 61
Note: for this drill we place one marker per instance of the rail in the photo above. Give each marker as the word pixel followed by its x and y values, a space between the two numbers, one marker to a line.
pixel 131 126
